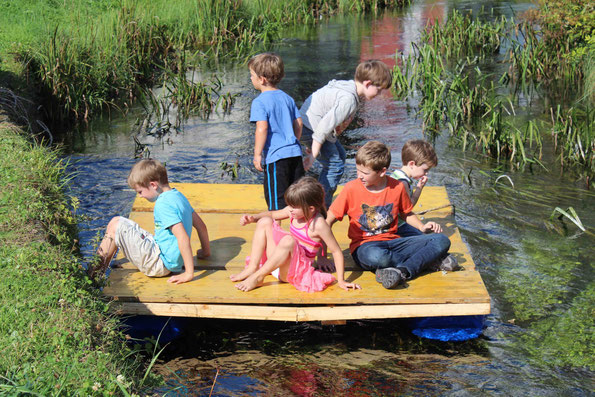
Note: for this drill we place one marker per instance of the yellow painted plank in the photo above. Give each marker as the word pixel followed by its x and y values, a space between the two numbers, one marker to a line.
pixel 239 199
pixel 308 313
pixel 231 243
pixel 214 286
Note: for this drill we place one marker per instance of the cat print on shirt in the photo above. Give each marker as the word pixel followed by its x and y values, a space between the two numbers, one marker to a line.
pixel 376 220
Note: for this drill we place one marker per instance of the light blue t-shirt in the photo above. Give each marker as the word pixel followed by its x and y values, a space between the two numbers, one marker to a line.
pixel 279 110
pixel 171 207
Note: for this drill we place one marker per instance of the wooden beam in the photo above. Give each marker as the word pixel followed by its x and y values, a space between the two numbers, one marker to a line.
pixel 289 313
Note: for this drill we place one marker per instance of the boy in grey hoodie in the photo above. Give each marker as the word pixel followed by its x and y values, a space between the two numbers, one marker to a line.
pixel 327 113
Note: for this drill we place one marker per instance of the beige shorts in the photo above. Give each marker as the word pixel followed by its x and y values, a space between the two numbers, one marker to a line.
pixel 140 248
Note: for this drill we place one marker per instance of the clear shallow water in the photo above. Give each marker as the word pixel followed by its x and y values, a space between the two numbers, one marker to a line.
pixel 537 277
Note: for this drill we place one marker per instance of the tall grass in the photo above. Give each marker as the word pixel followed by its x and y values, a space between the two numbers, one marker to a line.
pixel 92 57
pixel 445 75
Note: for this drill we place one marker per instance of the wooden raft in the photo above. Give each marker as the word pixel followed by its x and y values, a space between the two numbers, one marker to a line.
pixel 212 294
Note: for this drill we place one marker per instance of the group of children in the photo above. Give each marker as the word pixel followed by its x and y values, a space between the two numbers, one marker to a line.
pixel 386 236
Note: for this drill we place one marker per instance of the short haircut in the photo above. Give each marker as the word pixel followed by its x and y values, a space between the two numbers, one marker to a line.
pixel 146 171
pixel 374 154
pixel 268 65
pixel 419 151
pixel 306 192
pixel 376 71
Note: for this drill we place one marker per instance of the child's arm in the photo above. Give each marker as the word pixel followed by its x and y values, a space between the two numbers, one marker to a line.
pixel 297 128
pixel 279 214
pixel 414 221
pixel 420 185
pixel 186 251
pixel 203 236
pixel 260 138
pixel 323 230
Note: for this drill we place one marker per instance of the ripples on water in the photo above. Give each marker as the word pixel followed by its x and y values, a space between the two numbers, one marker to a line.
pixel 533 274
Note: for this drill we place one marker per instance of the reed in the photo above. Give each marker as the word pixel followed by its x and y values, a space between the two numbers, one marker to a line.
pixel 465 37
pixel 96 56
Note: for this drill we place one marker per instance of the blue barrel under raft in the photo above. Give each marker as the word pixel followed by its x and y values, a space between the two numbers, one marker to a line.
pixel 448 329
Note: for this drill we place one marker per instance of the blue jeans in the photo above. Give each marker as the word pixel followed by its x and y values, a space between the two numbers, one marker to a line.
pixel 406 253
pixel 332 157
pixel 406 230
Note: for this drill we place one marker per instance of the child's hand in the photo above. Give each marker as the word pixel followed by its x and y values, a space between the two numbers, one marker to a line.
pixel 257 161
pixel 422 181
pixel 432 227
pixel 202 254
pixel 346 286
pixel 181 278
pixel 308 161
pixel 246 219
pixel 325 264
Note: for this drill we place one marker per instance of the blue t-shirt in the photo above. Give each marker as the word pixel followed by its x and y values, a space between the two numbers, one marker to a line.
pixel 171 207
pixel 279 110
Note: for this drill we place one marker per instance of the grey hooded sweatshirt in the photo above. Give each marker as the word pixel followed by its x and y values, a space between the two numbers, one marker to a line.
pixel 328 107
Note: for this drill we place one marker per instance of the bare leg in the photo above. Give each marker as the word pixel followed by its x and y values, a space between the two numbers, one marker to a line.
pixel 107 248
pixel 280 258
pixel 262 240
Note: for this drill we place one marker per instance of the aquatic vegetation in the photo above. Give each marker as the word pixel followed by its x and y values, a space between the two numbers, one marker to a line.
pixel 465 37
pixel 570 214
pixel 445 75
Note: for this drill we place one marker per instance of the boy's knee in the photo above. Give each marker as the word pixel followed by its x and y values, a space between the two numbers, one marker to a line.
pixel 112 226
pixel 374 257
pixel 443 241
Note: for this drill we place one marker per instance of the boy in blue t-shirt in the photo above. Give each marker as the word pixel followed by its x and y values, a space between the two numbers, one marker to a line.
pixel 277 150
pixel 169 250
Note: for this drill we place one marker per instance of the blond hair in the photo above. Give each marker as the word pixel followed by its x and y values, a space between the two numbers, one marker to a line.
pixel 306 192
pixel 375 71
pixel 374 154
pixel 420 152
pixel 146 171
pixel 268 65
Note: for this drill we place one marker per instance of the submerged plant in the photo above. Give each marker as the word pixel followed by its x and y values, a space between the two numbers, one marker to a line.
pixel 570 214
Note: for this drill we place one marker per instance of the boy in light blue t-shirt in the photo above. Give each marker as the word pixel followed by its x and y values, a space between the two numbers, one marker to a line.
pixel 277 150
pixel 169 251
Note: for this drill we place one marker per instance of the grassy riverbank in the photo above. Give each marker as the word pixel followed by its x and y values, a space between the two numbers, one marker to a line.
pixel 55 333
pixel 85 56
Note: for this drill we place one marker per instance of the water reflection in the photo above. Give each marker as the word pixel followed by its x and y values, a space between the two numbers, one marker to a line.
pixel 540 279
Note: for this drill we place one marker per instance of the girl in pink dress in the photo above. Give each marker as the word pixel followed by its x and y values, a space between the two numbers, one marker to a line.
pixel 293 253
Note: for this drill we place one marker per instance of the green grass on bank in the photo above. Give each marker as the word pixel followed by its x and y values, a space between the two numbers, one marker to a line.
pixel 55 335
pixel 86 55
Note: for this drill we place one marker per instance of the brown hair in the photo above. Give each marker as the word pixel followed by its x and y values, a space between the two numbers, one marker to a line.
pixel 146 171
pixel 268 65
pixel 376 71
pixel 373 154
pixel 419 151
pixel 306 192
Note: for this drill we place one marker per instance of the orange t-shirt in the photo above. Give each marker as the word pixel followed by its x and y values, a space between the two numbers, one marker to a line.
pixel 373 216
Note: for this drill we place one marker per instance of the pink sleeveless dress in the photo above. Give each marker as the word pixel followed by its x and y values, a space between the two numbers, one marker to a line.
pixel 301 274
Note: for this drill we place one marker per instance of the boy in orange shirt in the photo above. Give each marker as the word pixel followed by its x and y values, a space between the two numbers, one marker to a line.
pixel 374 202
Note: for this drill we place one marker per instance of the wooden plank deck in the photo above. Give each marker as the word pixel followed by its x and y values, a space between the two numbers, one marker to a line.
pixel 212 294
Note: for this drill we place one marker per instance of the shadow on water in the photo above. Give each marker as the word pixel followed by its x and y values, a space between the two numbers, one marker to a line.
pixel 539 272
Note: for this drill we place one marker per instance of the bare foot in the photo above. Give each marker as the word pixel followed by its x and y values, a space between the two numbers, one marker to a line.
pixel 250 283
pixel 248 271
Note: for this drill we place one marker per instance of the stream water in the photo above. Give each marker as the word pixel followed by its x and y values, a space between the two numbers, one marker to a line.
pixel 539 274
